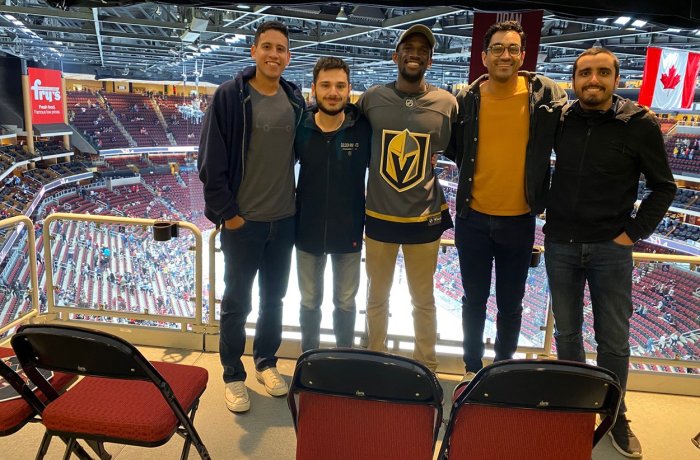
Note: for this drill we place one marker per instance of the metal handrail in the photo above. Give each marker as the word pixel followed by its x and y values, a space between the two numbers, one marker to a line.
pixel 130 221
pixel 19 221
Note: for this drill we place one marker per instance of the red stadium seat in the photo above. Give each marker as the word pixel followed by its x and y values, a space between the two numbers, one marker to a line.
pixel 123 398
pixel 16 412
pixel 352 404
pixel 531 409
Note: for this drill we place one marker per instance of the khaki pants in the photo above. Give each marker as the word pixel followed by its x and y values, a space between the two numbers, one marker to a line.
pixel 421 262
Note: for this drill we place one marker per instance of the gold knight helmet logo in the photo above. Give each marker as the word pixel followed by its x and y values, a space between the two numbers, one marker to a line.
pixel 403 160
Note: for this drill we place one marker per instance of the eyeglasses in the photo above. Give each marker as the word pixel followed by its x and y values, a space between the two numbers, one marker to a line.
pixel 497 50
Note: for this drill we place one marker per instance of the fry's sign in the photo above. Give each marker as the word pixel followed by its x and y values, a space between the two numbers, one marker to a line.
pixel 46 96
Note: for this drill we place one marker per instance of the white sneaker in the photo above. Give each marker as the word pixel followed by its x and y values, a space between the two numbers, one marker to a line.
pixel 236 396
pixel 273 381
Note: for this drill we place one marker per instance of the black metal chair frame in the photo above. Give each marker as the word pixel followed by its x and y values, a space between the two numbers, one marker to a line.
pixel 94 353
pixel 28 395
pixel 518 384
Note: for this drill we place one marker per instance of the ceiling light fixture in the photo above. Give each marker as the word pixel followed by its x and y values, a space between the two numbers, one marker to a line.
pixel 437 27
pixel 622 20
pixel 639 23
pixel 341 15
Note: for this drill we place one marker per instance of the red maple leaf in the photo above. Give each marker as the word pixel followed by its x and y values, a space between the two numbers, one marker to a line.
pixel 670 79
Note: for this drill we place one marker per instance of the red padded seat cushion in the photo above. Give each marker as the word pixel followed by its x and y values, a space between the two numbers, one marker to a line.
pixel 16 412
pixel 495 433
pixel 130 410
pixel 338 428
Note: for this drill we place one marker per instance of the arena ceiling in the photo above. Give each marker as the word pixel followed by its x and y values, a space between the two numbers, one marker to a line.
pixel 143 40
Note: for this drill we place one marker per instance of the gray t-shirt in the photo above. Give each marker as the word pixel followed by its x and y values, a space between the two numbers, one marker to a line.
pixel 267 191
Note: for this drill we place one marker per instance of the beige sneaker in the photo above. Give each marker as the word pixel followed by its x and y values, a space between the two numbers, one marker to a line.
pixel 462 385
pixel 236 396
pixel 468 377
pixel 273 381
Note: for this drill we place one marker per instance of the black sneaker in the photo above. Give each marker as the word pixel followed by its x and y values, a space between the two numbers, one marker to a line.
pixel 623 440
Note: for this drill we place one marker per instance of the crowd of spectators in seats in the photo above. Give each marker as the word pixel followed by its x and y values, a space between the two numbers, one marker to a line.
pixel 684 153
pixel 46 148
pixel 123 269
pixel 686 148
pixel 15 195
pixel 674 228
pixel 92 120
pixel 179 114
pixel 138 114
pixel 686 198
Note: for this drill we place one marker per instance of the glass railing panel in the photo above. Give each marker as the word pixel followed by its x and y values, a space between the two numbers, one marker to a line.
pixel 665 323
pixel 116 271
pixel 448 294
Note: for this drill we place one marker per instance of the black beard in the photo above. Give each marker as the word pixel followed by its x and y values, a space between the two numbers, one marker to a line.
pixel 412 78
pixel 331 112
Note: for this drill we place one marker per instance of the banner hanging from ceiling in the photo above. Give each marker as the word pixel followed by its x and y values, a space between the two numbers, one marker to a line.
pixel 46 94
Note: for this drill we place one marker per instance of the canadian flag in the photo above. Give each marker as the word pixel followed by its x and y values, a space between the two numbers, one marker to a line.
pixel 669 79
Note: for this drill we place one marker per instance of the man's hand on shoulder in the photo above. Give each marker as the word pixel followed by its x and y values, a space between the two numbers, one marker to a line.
pixel 647 109
pixel 234 223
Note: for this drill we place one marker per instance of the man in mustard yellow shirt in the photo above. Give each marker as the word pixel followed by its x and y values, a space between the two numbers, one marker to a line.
pixel 501 142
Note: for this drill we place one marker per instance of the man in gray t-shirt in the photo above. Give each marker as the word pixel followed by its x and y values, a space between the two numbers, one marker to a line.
pixel 246 164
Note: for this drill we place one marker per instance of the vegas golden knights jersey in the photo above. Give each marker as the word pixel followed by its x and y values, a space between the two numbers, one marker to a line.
pixel 405 203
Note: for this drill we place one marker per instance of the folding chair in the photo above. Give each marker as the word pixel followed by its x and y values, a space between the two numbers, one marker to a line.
pixel 24 404
pixel 123 399
pixel 15 412
pixel 349 404
pixel 532 409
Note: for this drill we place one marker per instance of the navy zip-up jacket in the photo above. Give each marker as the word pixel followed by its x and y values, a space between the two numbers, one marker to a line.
pixel 331 188
pixel 599 157
pixel 223 146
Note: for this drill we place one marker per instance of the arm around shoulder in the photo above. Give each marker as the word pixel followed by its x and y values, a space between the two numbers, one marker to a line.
pixel 557 94
pixel 453 151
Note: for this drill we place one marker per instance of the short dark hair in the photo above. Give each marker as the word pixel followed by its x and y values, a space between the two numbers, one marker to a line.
pixel 271 25
pixel 594 51
pixel 330 63
pixel 504 26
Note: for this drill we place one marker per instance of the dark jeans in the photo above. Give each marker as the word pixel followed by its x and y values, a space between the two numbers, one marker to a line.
pixel 265 249
pixel 482 239
pixel 607 267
